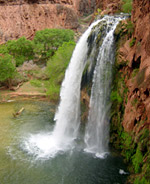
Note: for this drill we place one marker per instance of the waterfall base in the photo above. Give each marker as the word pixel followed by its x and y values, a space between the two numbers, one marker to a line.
pixel 45 145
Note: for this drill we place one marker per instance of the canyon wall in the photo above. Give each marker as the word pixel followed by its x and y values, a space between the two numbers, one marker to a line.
pixel 109 6
pixel 24 17
pixel 137 52
pixel 130 114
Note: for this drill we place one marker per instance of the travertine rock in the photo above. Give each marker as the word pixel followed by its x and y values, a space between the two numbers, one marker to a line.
pixel 139 58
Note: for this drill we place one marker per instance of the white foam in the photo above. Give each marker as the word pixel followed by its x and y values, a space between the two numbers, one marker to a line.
pixel 44 146
pixel 67 116
pixel 121 171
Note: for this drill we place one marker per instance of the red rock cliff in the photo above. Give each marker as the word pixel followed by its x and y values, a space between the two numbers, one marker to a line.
pixel 24 17
pixel 18 18
pixel 138 57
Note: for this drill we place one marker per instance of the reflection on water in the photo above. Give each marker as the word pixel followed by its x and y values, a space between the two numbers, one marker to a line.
pixel 17 166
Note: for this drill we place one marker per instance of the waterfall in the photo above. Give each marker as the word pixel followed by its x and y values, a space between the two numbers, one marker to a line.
pixel 62 138
pixel 97 130
pixel 67 117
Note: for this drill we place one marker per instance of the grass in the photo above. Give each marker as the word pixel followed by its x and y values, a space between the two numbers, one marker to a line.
pixel 36 83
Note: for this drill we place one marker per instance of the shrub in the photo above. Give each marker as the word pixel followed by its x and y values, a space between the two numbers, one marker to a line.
pixel 98 12
pixel 7 69
pixel 36 83
pixel 127 6
pixel 141 181
pixel 132 42
pixel 130 28
pixel 3 49
pixel 56 67
pixel 47 41
pixel 21 50
pixel 137 160
pixel 116 97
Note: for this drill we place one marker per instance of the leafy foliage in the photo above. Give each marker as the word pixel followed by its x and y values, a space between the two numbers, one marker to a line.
pixel 127 6
pixel 127 145
pixel 116 97
pixel 137 160
pixel 47 41
pixel 36 83
pixel 132 42
pixel 141 181
pixel 43 47
pixel 130 28
pixel 98 12
pixel 7 68
pixel 56 67
pixel 124 31
pixel 3 49
pixel 21 50
pixel 45 44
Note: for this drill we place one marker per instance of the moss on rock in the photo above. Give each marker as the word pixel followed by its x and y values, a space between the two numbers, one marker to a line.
pixel 135 145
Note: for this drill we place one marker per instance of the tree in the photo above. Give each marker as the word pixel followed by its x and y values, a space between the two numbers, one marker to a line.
pixel 21 50
pixel 7 69
pixel 56 67
pixel 47 41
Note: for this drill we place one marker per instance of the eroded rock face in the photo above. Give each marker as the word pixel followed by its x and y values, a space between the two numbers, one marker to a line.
pixel 138 56
pixel 109 6
pixel 24 19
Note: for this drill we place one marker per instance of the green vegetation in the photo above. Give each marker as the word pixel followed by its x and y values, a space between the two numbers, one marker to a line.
pixel 7 69
pixel 127 6
pixel 115 97
pixel 56 67
pixel 135 72
pixel 52 45
pixel 141 181
pixel 98 12
pixel 21 50
pixel 36 83
pixel 46 42
pixel 132 42
pixel 130 28
pixel 137 160
pixel 134 145
pixel 127 145
pixel 124 31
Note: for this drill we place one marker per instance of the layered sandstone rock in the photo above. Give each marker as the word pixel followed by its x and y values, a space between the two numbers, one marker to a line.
pixel 109 6
pixel 24 19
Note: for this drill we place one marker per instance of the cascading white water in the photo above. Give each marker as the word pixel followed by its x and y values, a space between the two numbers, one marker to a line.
pixel 44 145
pixel 67 118
pixel 97 130
pixel 68 115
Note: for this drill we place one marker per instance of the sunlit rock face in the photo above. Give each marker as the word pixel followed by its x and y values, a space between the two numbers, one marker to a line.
pixel 24 17
pixel 138 57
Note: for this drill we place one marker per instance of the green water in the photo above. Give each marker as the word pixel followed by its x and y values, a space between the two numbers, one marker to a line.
pixel 17 166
